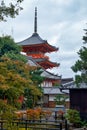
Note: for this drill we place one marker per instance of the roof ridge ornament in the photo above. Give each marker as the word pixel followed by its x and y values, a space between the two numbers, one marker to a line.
pixel 35 21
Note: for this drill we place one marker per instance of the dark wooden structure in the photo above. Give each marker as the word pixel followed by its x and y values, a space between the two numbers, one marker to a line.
pixel 78 101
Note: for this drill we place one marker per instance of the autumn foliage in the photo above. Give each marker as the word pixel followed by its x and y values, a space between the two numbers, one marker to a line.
pixel 34 114
pixel 15 74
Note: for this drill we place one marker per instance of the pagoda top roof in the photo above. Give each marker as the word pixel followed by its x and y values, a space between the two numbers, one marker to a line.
pixel 34 39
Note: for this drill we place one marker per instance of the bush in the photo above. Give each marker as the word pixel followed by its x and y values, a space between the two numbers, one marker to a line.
pixel 73 117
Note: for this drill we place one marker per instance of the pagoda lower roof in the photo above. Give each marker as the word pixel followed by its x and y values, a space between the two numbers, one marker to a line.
pixel 32 62
pixel 49 75
pixel 35 41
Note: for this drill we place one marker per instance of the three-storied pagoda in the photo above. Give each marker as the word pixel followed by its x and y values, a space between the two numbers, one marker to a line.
pixel 35 48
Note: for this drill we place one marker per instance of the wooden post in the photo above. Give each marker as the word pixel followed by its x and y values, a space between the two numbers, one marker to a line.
pixel 25 124
pixel 66 125
pixel 61 126
pixel 1 125
pixel 40 117
pixel 55 116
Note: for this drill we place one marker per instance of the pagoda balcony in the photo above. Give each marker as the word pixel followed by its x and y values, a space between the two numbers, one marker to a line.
pixel 38 55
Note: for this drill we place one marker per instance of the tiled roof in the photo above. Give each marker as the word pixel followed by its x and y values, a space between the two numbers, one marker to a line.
pixel 34 39
pixel 50 75
pixel 31 62
pixel 66 80
pixel 52 90
pixel 45 73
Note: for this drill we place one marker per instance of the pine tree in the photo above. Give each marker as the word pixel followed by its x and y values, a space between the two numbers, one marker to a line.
pixel 81 63
pixel 9 10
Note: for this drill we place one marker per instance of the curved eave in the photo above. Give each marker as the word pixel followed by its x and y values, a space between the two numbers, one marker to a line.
pixel 44 47
pixel 36 43
pixel 50 75
pixel 32 40
pixel 52 48
pixel 48 64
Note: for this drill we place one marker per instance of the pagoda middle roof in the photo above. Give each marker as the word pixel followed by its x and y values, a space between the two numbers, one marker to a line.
pixel 44 60
pixel 35 39
pixel 46 63
pixel 44 73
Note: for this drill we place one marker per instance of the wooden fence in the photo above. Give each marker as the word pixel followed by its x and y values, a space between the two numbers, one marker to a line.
pixel 23 124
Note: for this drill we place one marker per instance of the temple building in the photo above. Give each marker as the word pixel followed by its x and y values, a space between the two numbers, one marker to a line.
pixel 36 48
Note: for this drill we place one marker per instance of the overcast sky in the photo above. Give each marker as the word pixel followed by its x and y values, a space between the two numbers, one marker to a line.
pixel 60 22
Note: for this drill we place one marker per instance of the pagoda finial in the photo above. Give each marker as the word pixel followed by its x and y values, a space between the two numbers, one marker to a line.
pixel 35 21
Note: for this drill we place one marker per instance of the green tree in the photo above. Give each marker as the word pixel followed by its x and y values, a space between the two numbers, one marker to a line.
pixel 12 82
pixel 10 9
pixel 14 79
pixel 37 78
pixel 81 64
pixel 9 48
pixel 60 99
pixel 73 116
pixel 15 74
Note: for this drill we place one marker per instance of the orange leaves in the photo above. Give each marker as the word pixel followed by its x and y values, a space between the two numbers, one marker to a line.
pixel 48 113
pixel 34 114
pixel 60 112
pixel 37 113
pixel 19 114
pixel 15 77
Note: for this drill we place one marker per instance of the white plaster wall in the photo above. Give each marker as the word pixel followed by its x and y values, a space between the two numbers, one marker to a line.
pixel 46 84
pixel 51 97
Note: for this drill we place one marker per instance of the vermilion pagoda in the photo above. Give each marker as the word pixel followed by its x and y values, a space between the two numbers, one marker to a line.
pixel 36 47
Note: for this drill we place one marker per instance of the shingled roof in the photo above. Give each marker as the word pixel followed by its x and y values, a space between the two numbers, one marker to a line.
pixel 34 39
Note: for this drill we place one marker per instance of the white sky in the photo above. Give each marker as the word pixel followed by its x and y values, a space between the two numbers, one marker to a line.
pixel 60 22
